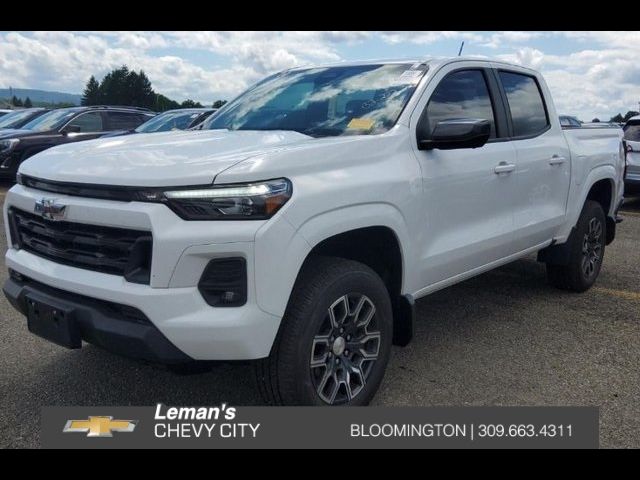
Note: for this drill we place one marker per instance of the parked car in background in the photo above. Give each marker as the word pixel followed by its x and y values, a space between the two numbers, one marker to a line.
pixel 632 149
pixel 570 121
pixel 180 119
pixel 300 225
pixel 19 118
pixel 64 125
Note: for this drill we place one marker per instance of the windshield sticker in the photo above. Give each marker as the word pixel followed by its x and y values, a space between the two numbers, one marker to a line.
pixel 361 123
pixel 410 76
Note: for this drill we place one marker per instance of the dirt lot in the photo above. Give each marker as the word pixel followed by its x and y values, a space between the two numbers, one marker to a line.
pixel 503 338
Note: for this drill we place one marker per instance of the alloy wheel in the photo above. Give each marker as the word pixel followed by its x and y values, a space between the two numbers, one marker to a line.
pixel 345 349
pixel 592 247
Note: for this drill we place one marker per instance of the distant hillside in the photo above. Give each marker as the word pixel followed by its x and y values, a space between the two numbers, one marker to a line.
pixel 42 95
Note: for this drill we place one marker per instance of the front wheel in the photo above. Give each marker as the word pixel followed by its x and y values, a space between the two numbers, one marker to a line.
pixel 335 338
pixel 586 252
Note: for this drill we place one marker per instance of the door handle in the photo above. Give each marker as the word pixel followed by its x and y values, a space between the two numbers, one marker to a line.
pixel 504 167
pixel 557 160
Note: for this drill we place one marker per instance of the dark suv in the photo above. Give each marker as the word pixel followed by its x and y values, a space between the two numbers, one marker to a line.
pixel 62 126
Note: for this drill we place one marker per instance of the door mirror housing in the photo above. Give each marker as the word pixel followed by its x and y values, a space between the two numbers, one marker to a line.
pixel 456 133
pixel 72 129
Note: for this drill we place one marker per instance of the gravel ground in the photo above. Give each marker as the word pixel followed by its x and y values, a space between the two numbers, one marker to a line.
pixel 503 338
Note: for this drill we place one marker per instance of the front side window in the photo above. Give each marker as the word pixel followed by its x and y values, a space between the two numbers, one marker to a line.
pixel 528 112
pixel 331 101
pixel 88 122
pixel 462 94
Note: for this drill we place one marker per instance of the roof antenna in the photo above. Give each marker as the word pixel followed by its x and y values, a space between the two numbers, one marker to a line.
pixel 461 47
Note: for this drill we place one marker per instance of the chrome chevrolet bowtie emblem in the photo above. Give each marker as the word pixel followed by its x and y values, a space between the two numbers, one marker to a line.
pixel 49 209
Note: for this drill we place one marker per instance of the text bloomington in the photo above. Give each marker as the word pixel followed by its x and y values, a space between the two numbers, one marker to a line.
pixel 409 430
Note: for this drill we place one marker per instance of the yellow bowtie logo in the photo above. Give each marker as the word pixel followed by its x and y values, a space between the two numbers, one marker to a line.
pixel 99 426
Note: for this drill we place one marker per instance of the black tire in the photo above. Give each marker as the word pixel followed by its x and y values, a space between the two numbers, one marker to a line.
pixel 574 276
pixel 287 377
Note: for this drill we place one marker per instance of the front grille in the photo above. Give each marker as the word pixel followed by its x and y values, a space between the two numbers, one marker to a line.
pixel 117 251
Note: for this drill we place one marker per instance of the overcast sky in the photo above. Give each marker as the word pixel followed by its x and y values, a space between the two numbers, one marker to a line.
pixel 591 74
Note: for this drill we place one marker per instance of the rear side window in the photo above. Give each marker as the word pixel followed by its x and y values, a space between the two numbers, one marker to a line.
pixel 88 122
pixel 125 121
pixel 462 94
pixel 528 113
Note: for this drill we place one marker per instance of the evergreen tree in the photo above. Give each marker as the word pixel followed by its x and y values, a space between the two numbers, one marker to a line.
pixel 16 102
pixel 27 103
pixel 91 94
pixel 191 104
pixel 218 103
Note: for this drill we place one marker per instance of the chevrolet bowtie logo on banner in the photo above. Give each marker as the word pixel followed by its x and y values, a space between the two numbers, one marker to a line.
pixel 99 426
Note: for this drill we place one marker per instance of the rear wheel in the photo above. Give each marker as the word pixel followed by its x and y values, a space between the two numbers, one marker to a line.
pixel 586 252
pixel 335 339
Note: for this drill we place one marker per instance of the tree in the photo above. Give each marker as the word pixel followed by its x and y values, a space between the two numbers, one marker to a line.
pixel 617 119
pixel 27 103
pixel 16 102
pixel 91 94
pixel 629 114
pixel 595 120
pixel 190 104
pixel 122 86
pixel 218 103
pixel 143 94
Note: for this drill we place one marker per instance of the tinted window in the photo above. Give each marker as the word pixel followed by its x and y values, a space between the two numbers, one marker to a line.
pixel 462 94
pixel 88 122
pixel 525 102
pixel 124 121
pixel 632 132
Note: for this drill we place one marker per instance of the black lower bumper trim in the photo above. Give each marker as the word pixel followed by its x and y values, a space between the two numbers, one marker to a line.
pixel 118 328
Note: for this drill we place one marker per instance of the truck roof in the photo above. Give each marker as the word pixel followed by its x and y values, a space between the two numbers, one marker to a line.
pixel 431 61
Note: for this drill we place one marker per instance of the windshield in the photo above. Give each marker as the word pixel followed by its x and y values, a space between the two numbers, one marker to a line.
pixel 15 118
pixel 168 121
pixel 349 100
pixel 632 132
pixel 50 121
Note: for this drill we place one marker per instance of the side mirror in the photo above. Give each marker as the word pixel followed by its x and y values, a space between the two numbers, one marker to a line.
pixel 72 129
pixel 456 133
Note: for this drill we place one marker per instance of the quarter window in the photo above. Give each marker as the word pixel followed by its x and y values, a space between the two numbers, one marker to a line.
pixel 462 94
pixel 526 105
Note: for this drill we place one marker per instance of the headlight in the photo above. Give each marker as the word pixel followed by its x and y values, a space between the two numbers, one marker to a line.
pixel 249 201
pixel 8 145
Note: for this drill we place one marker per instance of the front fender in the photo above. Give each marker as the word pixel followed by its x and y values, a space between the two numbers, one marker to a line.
pixel 281 248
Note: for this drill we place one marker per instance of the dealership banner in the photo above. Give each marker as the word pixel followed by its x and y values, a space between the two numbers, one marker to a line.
pixel 226 426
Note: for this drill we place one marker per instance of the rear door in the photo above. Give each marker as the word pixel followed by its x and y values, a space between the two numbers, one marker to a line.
pixel 543 172
pixel 468 192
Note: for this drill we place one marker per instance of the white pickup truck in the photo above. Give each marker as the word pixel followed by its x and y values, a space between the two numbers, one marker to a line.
pixel 298 228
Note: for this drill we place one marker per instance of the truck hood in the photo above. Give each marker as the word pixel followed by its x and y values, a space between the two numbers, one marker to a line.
pixel 155 159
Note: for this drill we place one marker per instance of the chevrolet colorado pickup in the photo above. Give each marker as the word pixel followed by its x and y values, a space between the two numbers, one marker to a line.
pixel 299 226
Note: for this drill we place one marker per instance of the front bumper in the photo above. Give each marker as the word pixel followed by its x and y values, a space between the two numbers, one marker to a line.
pixel 120 329
pixel 198 330
pixel 172 302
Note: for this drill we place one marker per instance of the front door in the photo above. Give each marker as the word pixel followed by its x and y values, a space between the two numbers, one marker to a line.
pixel 468 192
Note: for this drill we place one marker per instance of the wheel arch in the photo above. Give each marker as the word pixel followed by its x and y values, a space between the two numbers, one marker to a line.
pixel 375 235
